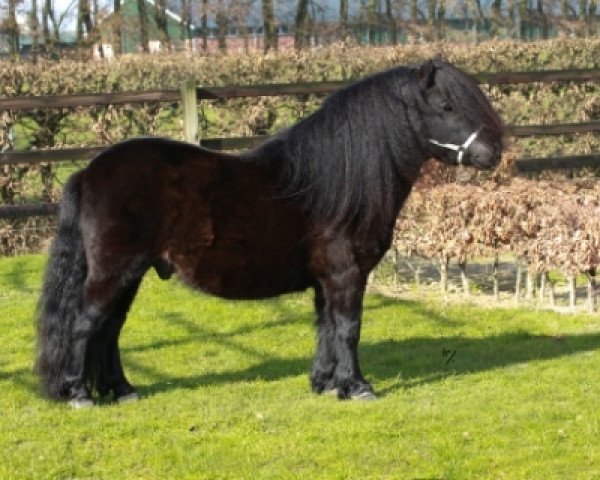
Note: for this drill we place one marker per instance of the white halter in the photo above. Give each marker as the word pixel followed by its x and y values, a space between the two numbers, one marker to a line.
pixel 458 148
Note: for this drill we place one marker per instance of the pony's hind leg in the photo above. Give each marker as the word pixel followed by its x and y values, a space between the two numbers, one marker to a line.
pixel 100 296
pixel 324 363
pixel 103 353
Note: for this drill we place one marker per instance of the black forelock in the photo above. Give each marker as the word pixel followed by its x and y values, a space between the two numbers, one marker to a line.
pixel 467 98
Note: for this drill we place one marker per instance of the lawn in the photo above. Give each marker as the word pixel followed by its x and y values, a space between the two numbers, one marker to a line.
pixel 464 392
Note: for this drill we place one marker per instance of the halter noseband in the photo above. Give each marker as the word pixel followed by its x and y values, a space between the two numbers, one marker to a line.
pixel 461 149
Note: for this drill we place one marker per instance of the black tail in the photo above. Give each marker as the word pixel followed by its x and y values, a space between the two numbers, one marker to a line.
pixel 61 298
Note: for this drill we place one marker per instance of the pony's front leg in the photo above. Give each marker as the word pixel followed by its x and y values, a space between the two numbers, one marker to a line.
pixel 343 297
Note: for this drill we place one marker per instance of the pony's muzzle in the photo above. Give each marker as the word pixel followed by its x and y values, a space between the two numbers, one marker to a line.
pixel 482 156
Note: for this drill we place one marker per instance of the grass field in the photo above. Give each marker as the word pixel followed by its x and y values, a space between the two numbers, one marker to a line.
pixel 464 393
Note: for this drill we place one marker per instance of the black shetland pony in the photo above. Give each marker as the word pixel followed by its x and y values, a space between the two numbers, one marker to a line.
pixel 313 207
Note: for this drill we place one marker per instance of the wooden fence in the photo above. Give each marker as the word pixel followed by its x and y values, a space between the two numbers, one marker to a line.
pixel 190 94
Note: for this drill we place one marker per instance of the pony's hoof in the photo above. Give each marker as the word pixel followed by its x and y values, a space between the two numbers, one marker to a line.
pixel 130 397
pixel 365 395
pixel 333 392
pixel 79 403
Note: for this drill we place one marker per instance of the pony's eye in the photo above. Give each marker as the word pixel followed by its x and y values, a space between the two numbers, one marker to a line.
pixel 447 107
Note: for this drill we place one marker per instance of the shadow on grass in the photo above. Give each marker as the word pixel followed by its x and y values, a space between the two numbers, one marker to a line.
pixel 399 363
pixel 411 362
pixel 396 363
pixel 283 316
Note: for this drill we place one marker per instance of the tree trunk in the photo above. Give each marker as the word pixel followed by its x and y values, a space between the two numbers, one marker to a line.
pixel 13 28
pixel 591 293
pixel 84 22
pixel 343 19
pixel 543 286
pixel 572 285
pixel 530 284
pixel 45 27
pixel 523 17
pixel 444 274
pixel 396 262
pixel 222 26
pixel 143 15
pixel 49 19
pixel 551 293
pixel 441 17
pixel 160 16
pixel 496 274
pixel 270 41
pixel 564 13
pixel 35 31
pixel 204 23
pixel 542 18
pixel 496 18
pixel 518 282
pixel 593 18
pixel 185 22
pixel 117 26
pixel 479 17
pixel 431 19
pixel 464 278
pixel 582 18
pixel 301 33
pixel 372 20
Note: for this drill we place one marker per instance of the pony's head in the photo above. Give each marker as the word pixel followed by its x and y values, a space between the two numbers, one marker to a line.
pixel 462 127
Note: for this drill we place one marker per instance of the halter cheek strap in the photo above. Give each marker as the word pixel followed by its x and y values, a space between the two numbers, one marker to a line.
pixel 457 148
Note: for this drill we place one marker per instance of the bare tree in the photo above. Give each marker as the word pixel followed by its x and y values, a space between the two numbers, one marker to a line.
pixel 391 22
pixel 35 31
pixel 222 18
pixel 204 24
pixel 301 34
pixel 84 21
pixel 49 20
pixel 372 20
pixel 432 18
pixel 542 19
pixel 160 16
pixel 496 17
pixel 587 17
pixel 270 32
pixel 143 16
pixel 185 20
pixel 117 24
pixel 13 28
pixel 343 18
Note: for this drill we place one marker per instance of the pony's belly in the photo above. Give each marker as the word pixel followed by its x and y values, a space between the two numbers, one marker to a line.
pixel 243 276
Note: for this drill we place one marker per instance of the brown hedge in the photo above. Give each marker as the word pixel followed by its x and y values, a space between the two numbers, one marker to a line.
pixel 518 104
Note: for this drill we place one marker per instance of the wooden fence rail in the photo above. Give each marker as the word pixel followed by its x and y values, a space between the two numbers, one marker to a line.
pixel 189 94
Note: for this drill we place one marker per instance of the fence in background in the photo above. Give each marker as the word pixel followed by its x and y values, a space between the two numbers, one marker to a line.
pixel 190 94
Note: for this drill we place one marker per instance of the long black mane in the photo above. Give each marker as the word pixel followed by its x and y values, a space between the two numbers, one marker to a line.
pixel 347 160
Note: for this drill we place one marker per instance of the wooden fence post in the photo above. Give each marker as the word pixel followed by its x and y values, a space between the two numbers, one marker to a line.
pixel 190 111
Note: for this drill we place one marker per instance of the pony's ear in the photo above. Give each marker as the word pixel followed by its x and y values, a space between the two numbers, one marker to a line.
pixel 426 75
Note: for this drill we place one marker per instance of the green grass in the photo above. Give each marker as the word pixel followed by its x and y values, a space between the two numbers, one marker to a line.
pixel 465 393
